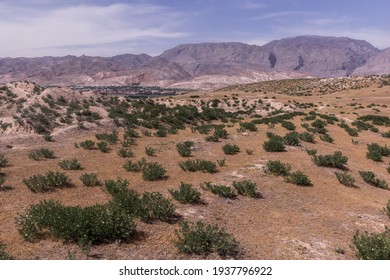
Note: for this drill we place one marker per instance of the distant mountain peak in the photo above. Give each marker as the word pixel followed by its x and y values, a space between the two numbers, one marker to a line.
pixel 307 55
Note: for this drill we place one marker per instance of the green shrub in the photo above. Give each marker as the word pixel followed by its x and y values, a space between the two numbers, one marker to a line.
pixel 337 160
pixel 212 138
pixel 186 194
pixel 248 126
pixel 246 188
pixel 319 124
pixel 47 137
pixel 288 125
pixel 87 144
pixel 128 142
pixel 202 239
pixel 184 148
pixel 277 168
pixel 135 166
pixel 153 206
pixel 3 161
pixel 103 146
pixel 149 207
pixel 370 178
pixel 48 182
pixel 307 137
pixel 218 189
pixel 374 155
pixel 90 180
pixel 220 133
pixel 130 133
pixel 198 165
pixel 298 178
pixel 221 162
pixel 153 172
pixel 292 139
pixel 326 138
pixel 230 149
pixel 386 134
pixel 161 132
pixel 128 200
pixel 125 153
pixel 146 132
pixel 2 180
pixel 111 138
pixel 71 164
pixel 311 152
pixel 372 246
pixel 91 225
pixel 149 151
pixel 274 145
pixel 271 135
pixel 3 254
pixel 115 187
pixel 345 179
pixel 39 154
pixel 376 151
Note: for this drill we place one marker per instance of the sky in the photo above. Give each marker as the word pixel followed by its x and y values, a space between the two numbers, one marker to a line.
pixel 33 28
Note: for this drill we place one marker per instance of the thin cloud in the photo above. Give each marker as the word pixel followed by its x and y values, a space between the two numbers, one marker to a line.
pixel 33 33
pixel 329 20
pixel 280 15
pixel 254 5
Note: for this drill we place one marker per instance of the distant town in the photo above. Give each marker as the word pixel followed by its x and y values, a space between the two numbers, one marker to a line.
pixel 132 91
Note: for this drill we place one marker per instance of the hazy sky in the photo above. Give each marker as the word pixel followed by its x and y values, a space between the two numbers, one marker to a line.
pixel 110 27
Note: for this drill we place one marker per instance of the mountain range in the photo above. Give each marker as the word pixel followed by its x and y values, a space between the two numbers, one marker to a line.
pixel 208 65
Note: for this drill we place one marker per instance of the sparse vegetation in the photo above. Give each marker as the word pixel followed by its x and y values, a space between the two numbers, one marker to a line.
pixel 90 180
pixel 70 164
pixel 153 172
pixel 370 178
pixel 186 194
pixel 111 138
pixel 103 146
pixel 230 149
pixel 219 189
pixel 345 179
pixel 91 225
pixel 3 254
pixel 246 188
pixel 48 182
pixel 372 246
pixel 274 145
pixel 88 145
pixel 203 239
pixel 3 161
pixel 307 137
pixel 277 168
pixel 292 139
pixel 293 126
pixel 288 125
pixel 337 160
pixel 125 153
pixel 376 152
pixel 184 148
pixel 198 165
pixel 149 151
pixel 298 178
pixel 39 154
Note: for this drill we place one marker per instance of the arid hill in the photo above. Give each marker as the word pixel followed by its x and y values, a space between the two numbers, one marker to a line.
pixel 287 169
pixel 208 65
